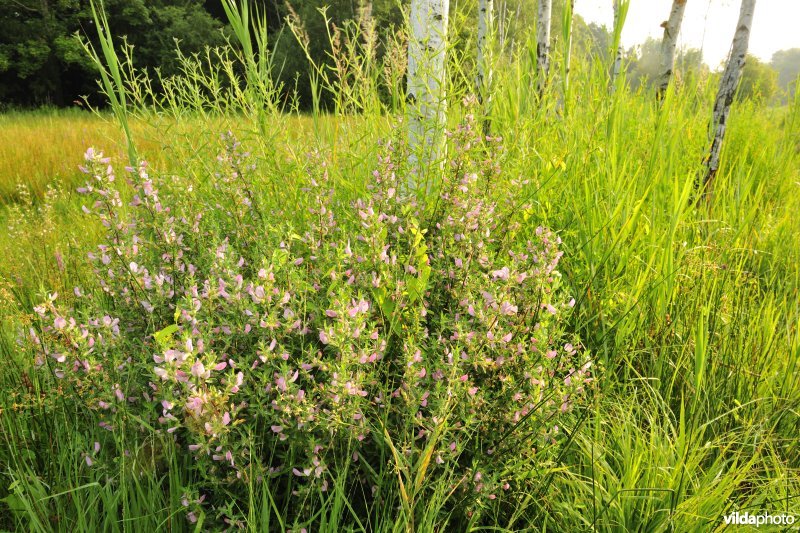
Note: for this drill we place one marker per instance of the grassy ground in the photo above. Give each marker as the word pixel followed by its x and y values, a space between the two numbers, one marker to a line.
pixel 691 311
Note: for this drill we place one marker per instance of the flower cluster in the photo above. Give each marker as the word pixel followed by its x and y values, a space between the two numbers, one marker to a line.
pixel 268 352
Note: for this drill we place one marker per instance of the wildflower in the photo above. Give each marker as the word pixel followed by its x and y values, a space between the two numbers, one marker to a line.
pixel 508 309
pixel 195 405
pixel 199 370
pixel 502 274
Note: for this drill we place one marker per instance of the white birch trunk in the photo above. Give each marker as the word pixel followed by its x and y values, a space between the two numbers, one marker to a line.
pixel 501 25
pixel 569 11
pixel 672 28
pixel 543 40
pixel 427 102
pixel 483 81
pixel 616 67
pixel 728 85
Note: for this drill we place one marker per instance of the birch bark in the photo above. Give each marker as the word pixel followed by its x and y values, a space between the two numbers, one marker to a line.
pixel 485 23
pixel 728 85
pixel 672 28
pixel 483 81
pixel 616 67
pixel 427 103
pixel 569 10
pixel 545 12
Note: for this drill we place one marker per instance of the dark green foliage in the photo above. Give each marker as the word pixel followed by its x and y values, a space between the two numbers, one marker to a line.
pixel 759 80
pixel 645 62
pixel 787 63
pixel 42 61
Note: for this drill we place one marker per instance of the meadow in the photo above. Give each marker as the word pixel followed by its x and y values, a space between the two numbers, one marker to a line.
pixel 679 312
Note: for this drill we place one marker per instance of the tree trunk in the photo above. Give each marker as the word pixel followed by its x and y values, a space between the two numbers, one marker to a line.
pixel 728 85
pixel 672 27
pixel 483 81
pixel 543 41
pixel 616 67
pixel 427 102
pixel 569 10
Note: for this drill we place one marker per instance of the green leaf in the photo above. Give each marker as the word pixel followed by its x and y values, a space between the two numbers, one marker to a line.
pixel 165 335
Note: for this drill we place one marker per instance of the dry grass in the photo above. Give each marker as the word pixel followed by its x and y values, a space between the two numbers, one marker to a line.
pixel 36 148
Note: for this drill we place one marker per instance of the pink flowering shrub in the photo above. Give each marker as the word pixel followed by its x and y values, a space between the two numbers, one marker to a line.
pixel 301 352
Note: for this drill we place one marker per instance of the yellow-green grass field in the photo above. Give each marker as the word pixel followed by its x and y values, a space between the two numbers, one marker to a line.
pixel 687 305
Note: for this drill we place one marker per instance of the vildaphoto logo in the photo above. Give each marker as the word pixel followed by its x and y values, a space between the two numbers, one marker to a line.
pixel 764 519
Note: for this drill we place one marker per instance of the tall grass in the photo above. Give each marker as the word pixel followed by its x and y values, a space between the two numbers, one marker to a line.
pixel 690 309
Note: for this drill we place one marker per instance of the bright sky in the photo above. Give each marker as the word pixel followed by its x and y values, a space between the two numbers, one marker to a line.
pixel 707 24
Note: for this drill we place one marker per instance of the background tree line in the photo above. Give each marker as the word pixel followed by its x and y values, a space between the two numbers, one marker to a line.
pixel 43 63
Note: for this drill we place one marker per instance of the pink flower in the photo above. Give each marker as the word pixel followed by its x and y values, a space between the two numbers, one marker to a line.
pixel 237 383
pixel 508 309
pixel 323 337
pixel 195 404
pixel 417 358
pixel 59 322
pixel 503 273
pixel 551 354
pixel 198 369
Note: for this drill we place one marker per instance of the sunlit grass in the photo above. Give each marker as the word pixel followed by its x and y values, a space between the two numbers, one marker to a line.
pixel 691 309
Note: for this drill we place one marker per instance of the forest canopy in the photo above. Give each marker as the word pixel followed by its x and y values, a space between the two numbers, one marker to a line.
pixel 42 60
